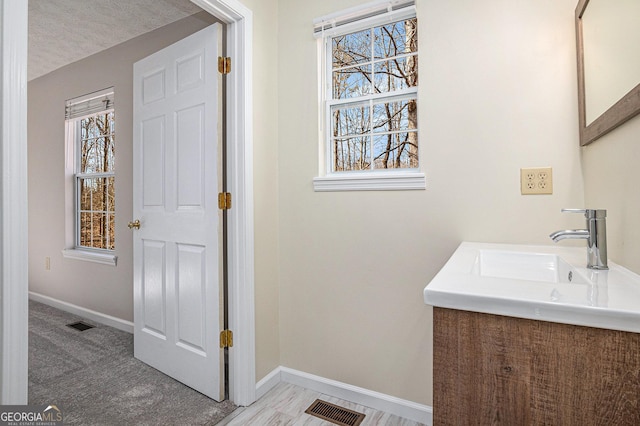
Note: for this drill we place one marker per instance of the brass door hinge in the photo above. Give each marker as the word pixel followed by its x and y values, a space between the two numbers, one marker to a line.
pixel 224 64
pixel 224 200
pixel 226 339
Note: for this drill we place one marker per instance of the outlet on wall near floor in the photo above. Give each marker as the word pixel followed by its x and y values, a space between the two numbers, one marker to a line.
pixel 47 263
pixel 536 180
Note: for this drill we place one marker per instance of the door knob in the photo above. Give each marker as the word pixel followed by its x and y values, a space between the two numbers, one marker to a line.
pixel 135 224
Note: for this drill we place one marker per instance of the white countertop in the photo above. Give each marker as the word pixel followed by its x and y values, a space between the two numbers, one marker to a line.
pixel 604 299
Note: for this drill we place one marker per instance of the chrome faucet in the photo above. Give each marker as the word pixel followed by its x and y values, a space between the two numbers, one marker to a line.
pixel 595 234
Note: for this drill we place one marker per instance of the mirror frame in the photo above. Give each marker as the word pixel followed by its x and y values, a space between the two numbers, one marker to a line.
pixel 623 110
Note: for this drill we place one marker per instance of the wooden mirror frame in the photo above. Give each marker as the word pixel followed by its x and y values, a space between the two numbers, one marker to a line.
pixel 623 110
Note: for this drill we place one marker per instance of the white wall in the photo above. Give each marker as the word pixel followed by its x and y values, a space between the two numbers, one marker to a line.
pixel 497 92
pixel 265 189
pixel 611 176
pixel 610 71
pixel 610 164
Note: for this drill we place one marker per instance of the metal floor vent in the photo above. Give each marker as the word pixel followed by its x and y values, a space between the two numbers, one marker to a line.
pixel 334 414
pixel 81 326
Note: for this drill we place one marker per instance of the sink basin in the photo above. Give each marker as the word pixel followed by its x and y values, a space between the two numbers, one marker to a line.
pixel 546 283
pixel 515 265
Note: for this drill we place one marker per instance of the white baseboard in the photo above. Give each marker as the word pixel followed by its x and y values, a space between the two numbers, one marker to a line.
pixel 376 400
pixel 268 382
pixel 98 317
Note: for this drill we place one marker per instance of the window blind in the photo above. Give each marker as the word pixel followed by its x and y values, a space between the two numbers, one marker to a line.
pixel 91 103
pixel 341 22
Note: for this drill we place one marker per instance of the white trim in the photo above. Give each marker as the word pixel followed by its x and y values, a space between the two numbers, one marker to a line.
pixel 379 401
pixel 364 181
pixel 89 104
pixel 73 147
pixel 69 184
pixel 371 10
pixel 107 93
pixel 409 93
pixel 94 316
pixel 364 22
pixel 268 382
pixel 90 256
pixel 14 269
pixel 239 21
pixel 376 179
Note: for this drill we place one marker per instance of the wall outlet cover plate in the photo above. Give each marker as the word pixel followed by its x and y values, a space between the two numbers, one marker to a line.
pixel 536 180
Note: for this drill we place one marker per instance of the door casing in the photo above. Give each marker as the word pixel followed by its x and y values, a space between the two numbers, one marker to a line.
pixel 14 283
pixel 239 141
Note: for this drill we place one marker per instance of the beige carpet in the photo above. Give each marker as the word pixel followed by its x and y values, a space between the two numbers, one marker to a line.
pixel 94 379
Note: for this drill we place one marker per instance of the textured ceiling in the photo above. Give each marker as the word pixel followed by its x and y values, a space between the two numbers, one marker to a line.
pixel 65 31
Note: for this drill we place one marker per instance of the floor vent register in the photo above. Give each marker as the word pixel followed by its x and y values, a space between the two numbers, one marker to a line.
pixel 334 414
pixel 80 326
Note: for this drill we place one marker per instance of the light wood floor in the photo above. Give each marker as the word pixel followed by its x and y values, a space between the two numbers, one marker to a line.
pixel 285 404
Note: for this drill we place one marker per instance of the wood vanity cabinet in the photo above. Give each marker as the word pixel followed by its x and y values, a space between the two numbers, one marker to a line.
pixel 497 370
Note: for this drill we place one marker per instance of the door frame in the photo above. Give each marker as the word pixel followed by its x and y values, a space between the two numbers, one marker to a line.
pixel 239 140
pixel 13 199
pixel 14 268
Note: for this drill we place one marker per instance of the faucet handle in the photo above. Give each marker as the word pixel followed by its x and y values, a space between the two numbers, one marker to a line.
pixel 588 213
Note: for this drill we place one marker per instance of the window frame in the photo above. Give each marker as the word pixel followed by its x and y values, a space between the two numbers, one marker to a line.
pixel 73 141
pixel 79 176
pixel 358 19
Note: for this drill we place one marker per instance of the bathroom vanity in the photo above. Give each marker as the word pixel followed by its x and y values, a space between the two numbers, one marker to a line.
pixel 529 335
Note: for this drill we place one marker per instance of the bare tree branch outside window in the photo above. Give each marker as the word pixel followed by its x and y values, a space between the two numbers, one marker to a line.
pixel 95 182
pixel 374 121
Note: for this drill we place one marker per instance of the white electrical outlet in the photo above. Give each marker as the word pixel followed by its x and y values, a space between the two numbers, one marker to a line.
pixel 536 180
pixel 47 263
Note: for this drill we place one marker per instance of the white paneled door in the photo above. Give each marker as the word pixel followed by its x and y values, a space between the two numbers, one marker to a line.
pixel 177 306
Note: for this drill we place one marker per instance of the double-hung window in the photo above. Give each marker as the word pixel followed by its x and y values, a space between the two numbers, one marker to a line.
pixel 91 133
pixel 369 90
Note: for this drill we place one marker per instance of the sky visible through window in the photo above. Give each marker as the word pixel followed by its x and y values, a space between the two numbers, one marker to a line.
pixel 373 108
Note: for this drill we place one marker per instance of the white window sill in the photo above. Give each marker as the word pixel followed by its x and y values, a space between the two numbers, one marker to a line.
pixel 365 181
pixel 90 256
